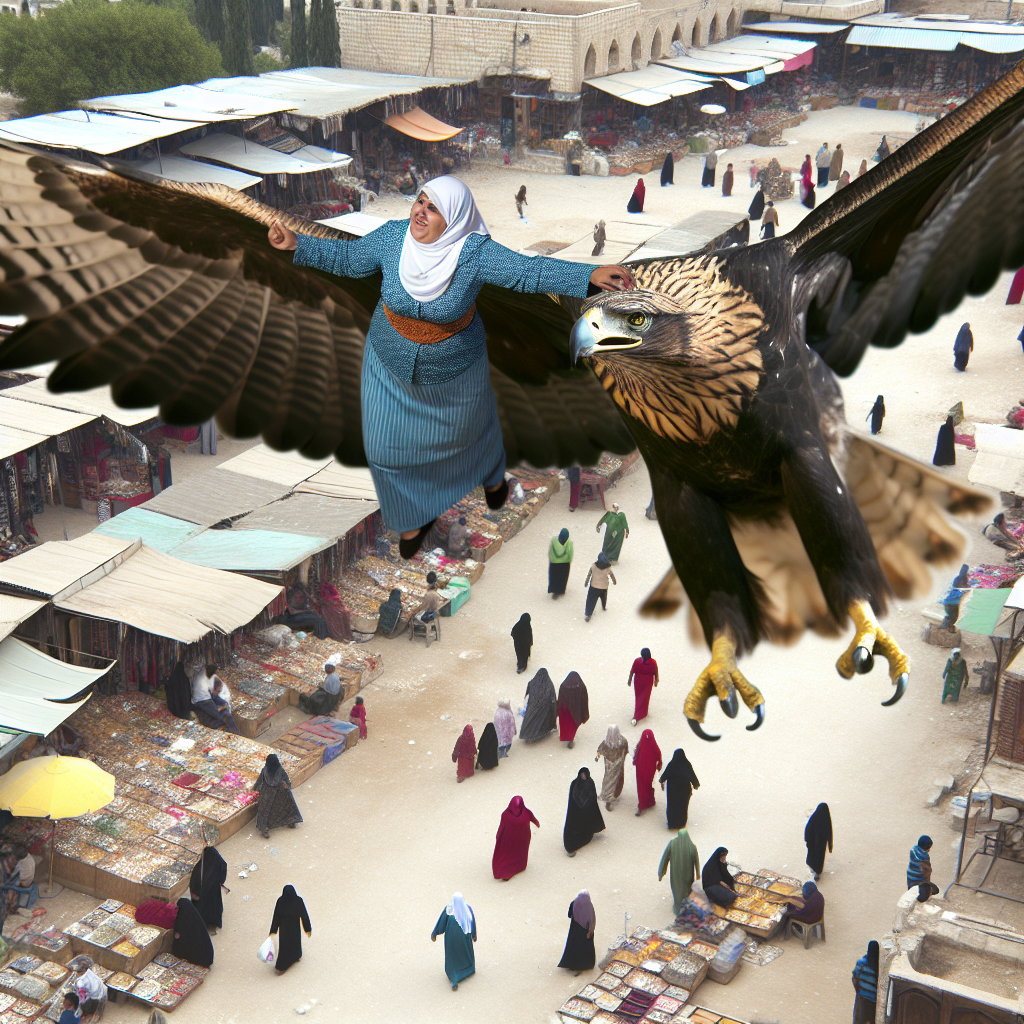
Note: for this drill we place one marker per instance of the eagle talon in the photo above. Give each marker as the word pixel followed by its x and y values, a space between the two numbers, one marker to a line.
pixel 695 726
pixel 731 706
pixel 863 660
pixel 870 639
pixel 901 682
pixel 759 721
pixel 723 679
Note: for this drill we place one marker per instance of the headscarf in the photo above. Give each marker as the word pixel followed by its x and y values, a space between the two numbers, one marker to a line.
pixel 602 561
pixel 505 722
pixel 572 695
pixel 844 180
pixel 715 872
pixel 427 268
pixel 873 955
pixel 391 611
pixel 487 748
pixel 964 340
pixel 273 771
pixel 459 909
pixel 465 745
pixel 647 756
pixel 583 910
pixel 563 535
pixel 645 653
pixel 962 581
pixel 522 631
pixel 819 827
pixel 863 168
pixel 640 190
pixel 680 768
pixel 614 738
pixel 809 888
pixel 584 792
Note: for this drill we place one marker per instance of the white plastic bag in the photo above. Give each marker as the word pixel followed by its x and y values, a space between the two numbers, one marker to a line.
pixel 266 952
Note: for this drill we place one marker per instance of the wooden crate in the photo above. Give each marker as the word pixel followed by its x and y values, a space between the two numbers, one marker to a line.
pixel 130 965
pixel 254 727
pixel 310 754
pixel 483 554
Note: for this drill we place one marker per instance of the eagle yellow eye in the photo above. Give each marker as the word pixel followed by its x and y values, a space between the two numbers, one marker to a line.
pixel 636 320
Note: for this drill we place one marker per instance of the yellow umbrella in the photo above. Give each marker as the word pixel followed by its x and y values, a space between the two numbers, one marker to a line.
pixel 55 787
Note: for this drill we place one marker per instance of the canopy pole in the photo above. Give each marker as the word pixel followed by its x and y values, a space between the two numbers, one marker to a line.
pixel 53 843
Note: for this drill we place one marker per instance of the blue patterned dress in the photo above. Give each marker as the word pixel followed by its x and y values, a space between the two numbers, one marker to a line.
pixel 430 418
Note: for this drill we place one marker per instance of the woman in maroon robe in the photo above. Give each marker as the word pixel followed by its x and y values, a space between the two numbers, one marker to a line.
pixel 334 612
pixel 512 843
pixel 464 753
pixel 643 677
pixel 647 760
pixel 573 707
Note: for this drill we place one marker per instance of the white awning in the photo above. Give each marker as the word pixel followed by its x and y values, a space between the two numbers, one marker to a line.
pixel 250 156
pixel 16 610
pixel 287 468
pixel 95 402
pixel 27 672
pixel 798 28
pixel 176 168
pixel 936 34
pixel 191 103
pixel 715 63
pixel 338 481
pixel 355 223
pixel 651 85
pixel 53 567
pixel 91 131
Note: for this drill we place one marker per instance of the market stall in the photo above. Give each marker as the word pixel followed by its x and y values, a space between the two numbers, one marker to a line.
pixel 760 908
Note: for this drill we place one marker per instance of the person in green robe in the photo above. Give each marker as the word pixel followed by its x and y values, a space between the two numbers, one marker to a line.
pixel 682 862
pixel 616 531
pixel 955 674
pixel 457 924
pixel 559 563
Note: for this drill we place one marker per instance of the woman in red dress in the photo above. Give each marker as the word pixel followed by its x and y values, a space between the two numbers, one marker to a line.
pixel 643 677
pixel 464 753
pixel 647 759
pixel 512 843
pixel 573 707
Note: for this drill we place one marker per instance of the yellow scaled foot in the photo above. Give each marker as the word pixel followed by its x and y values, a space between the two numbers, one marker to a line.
pixel 723 678
pixel 870 639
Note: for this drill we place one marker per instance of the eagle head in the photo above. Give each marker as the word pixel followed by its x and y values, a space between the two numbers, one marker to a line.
pixel 677 352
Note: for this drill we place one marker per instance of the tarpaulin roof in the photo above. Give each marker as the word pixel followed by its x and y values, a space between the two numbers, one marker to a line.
pixel 207 498
pixel 23 425
pixel 250 550
pixel 309 515
pixel 161 533
pixel 168 597
pixel 95 402
pixel 177 168
pixel 1016 598
pixel 652 84
pixel 58 564
pixel 338 481
pixel 932 34
pixel 355 223
pixel 1000 459
pixel 983 612
pixel 28 672
pixel 418 124
pixel 190 103
pixel 799 28
pixel 716 63
pixel 285 468
pixel 250 156
pixel 92 131
pixel 15 610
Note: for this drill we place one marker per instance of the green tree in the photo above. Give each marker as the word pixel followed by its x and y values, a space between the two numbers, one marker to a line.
pixel 87 48
pixel 238 49
pixel 299 55
pixel 209 16
pixel 324 44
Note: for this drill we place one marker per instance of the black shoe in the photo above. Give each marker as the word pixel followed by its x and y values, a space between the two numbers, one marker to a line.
pixel 408 548
pixel 496 499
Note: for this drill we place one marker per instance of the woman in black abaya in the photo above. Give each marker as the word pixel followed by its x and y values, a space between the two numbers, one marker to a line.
pixel 945 445
pixel 539 719
pixel 877 414
pixel 756 208
pixel 668 170
pixel 277 806
pixel 579 954
pixel 208 878
pixel 678 780
pixel 289 912
pixel 716 880
pixel 487 748
pixel 818 837
pixel 583 816
pixel 522 640
pixel 191 939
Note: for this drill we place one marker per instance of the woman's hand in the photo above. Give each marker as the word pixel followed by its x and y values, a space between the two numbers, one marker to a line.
pixel 611 278
pixel 281 238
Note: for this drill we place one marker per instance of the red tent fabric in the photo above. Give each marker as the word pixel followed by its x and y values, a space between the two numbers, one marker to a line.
pixel 512 843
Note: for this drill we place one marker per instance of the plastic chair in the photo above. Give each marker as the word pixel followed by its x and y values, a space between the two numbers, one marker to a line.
pixel 32 892
pixel 805 930
pixel 419 627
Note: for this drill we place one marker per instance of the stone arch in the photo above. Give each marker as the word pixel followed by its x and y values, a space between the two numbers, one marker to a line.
pixel 695 35
pixel 677 35
pixel 376 5
pixel 713 30
pixel 396 5
pixel 656 45
pixel 590 62
pixel 613 56
pixel 732 24
pixel 414 7
pixel 635 51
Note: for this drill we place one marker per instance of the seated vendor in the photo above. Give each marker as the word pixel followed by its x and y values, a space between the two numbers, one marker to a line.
pixel 324 699
pixel 25 875
pixel 459 540
pixel 211 700
pixel 718 884
pixel 432 600
pixel 92 993
pixel 813 909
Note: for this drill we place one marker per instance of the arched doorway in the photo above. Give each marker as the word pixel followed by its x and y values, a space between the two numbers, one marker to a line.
pixel 590 62
pixel 713 30
pixel 695 35
pixel 678 34
pixel 732 24
pixel 613 56
pixel 656 44
pixel 634 53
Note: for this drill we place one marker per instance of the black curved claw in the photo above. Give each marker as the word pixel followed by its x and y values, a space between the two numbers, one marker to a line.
pixel 901 687
pixel 759 711
pixel 731 707
pixel 863 660
pixel 695 726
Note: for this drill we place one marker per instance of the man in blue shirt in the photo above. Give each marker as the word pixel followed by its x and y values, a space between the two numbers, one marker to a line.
pixel 70 1015
pixel 919 868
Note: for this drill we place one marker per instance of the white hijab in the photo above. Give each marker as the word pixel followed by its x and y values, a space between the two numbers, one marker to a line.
pixel 427 268
pixel 461 912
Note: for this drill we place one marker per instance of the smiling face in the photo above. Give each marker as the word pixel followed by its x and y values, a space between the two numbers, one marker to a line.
pixel 425 222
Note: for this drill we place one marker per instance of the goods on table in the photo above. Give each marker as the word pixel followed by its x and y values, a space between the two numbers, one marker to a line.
pixel 759 908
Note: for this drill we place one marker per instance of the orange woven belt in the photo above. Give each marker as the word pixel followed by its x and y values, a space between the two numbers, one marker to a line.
pixel 424 333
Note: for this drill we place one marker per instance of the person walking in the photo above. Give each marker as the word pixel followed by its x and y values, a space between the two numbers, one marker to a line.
pixel 487 748
pixel 877 414
pixel 600 237
pixel 865 985
pixel 844 180
pixel 572 707
pixel 597 585
pixel 668 171
pixel 614 748
pixel 682 862
pixel 539 720
pixel 945 445
pixel 647 761
pixel 678 781
pixel 883 150
pixel 963 346
pixel 559 563
pixel 192 940
pixel 457 924
pixel 710 163
pixel 636 200
pixel 504 726
pixel 289 914
pixel 522 641
pixel 643 677
pixel 512 842
pixel 863 169
pixel 277 806
pixel 818 837
pixel 836 166
pixel 464 754
pixel 616 530
pixel 583 818
pixel 573 475
pixel 206 885
pixel 521 201
pixel 579 954
pixel 955 675
pixel 770 221
pixel 756 208
pixel 727 181
pixel 823 161
pixel 919 867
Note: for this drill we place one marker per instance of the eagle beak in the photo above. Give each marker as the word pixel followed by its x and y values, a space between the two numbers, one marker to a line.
pixel 599 330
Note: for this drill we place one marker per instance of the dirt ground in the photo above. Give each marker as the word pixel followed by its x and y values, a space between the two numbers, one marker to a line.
pixel 388 835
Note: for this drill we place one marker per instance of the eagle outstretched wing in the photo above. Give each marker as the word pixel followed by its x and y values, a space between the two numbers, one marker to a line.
pixel 900 246
pixel 171 294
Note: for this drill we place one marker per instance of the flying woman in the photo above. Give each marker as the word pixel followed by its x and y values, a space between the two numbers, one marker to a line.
pixel 430 419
